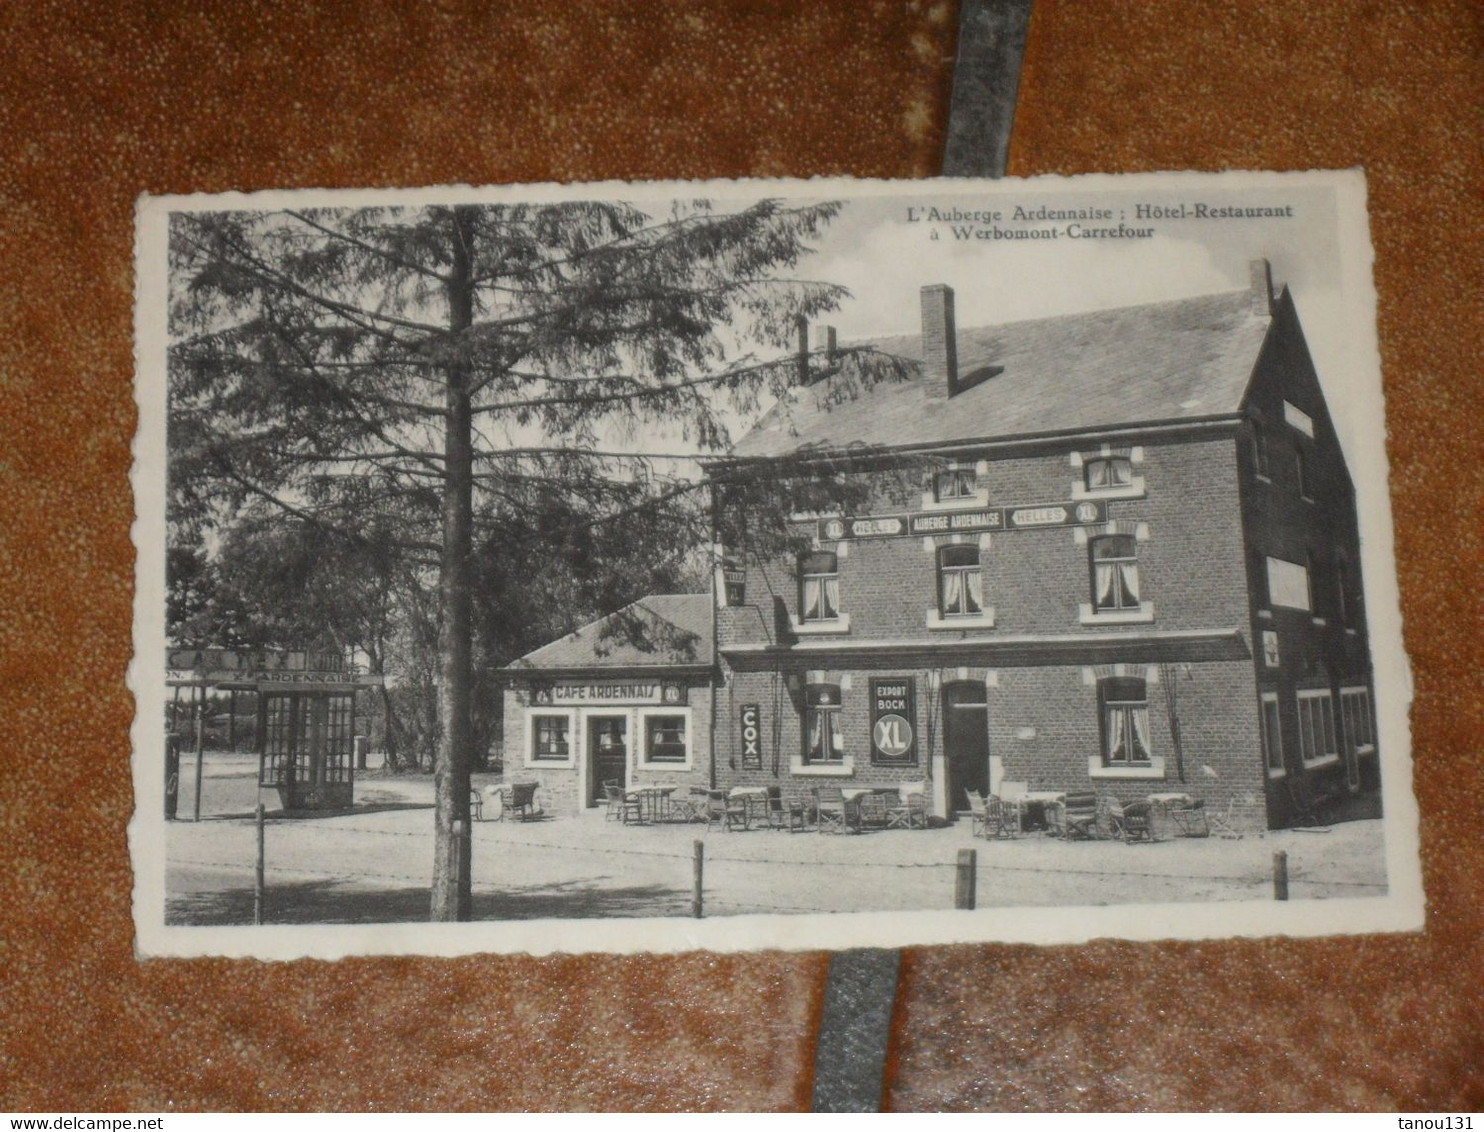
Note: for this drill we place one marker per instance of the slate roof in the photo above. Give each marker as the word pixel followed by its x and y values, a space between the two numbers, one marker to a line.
pixel 1188 358
pixel 659 630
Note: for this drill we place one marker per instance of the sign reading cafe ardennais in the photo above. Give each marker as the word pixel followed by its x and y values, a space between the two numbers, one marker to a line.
pixel 964 522
pixel 616 693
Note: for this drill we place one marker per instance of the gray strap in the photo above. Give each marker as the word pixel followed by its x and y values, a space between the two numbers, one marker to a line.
pixel 854 1029
pixel 986 77
pixel 861 988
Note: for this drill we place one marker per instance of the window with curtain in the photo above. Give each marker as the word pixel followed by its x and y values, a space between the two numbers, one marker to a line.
pixel 955 483
pixel 1115 573
pixel 1104 473
pixel 551 737
pixel 823 742
pixel 819 587
pixel 664 739
pixel 1125 705
pixel 960 583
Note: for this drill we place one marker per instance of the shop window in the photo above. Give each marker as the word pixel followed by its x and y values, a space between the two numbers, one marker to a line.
pixel 819 587
pixel 1259 450
pixel 1115 574
pixel 955 484
pixel 1125 720
pixel 664 739
pixel 1108 473
pixel 1355 711
pixel 1288 584
pixel 1272 733
pixel 960 582
pixel 1316 712
pixel 551 735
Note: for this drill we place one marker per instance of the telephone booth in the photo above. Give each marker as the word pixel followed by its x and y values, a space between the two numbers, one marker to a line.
pixel 307 747
pixel 306 716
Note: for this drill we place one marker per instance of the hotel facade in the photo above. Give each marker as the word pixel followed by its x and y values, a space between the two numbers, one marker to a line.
pixel 1114 551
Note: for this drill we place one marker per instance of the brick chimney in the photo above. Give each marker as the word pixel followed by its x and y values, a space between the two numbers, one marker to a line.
pixel 1262 286
pixel 939 339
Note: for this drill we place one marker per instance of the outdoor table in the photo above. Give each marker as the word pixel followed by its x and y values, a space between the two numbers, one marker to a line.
pixel 654 801
pixel 1045 801
pixel 1166 804
pixel 755 798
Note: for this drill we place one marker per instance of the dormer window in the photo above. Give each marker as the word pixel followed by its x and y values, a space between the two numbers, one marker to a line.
pixel 955 483
pixel 1108 473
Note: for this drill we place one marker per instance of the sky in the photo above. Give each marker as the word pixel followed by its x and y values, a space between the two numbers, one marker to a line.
pixel 884 258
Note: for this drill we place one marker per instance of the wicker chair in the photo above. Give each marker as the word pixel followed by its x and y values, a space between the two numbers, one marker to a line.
pixel 523 800
pixel 832 811
pixel 1079 815
pixel 978 815
pixel 871 811
pixel 623 804
pixel 1136 822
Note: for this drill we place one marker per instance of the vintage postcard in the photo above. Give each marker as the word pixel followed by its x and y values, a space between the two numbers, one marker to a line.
pixel 795 564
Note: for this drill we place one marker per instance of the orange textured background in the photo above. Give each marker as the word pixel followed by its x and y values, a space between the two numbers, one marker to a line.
pixel 101 101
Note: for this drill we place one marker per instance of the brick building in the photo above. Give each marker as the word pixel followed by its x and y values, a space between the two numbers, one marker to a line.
pixel 1113 551
pixel 625 699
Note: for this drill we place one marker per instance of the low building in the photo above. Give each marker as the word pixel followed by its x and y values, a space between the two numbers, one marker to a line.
pixel 1114 551
pixel 627 699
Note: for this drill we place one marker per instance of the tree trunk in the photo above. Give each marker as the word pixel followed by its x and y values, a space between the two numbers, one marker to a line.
pixel 451 887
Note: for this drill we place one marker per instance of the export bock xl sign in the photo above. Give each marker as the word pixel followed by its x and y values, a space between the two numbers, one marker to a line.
pixel 919 523
pixel 894 720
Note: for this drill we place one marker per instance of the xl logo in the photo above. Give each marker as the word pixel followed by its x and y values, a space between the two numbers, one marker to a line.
pixel 892 735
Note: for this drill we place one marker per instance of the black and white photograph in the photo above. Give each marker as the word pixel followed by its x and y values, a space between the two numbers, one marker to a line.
pixel 764 564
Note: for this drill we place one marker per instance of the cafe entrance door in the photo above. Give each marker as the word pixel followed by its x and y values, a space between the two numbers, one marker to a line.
pixel 965 741
pixel 607 755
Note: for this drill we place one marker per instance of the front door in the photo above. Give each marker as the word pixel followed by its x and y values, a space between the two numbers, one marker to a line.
pixel 607 754
pixel 965 741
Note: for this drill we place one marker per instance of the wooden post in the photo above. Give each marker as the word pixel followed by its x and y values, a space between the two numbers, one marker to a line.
pixel 200 746
pixel 1280 875
pixel 459 846
pixel 963 888
pixel 257 891
pixel 698 863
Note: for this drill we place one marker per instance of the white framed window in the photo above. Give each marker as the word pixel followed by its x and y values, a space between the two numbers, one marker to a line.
pixel 1108 474
pixel 550 738
pixel 1288 584
pixel 1317 742
pixel 960 582
pixel 955 485
pixel 819 587
pixel 1272 735
pixel 1124 703
pixel 1355 712
pixel 665 737
pixel 1115 573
